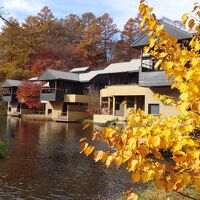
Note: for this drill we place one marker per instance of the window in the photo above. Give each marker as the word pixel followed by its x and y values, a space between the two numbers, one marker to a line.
pixel 153 109
pixel 49 111
pixel 9 109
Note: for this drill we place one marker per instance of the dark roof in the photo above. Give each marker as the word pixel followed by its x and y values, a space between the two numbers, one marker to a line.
pixel 10 83
pixel 51 74
pixel 180 34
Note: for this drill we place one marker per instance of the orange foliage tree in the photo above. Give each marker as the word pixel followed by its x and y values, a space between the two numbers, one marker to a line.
pixel 142 143
pixel 29 94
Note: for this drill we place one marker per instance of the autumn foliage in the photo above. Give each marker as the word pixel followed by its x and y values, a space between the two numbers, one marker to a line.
pixel 160 148
pixel 29 94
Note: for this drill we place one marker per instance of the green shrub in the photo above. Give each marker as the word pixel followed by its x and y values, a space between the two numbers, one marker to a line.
pixel 2 149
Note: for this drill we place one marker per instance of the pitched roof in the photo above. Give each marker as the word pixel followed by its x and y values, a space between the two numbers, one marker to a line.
pixel 51 74
pixel 79 70
pixel 33 79
pixel 132 66
pixel 180 34
pixel 86 77
pixel 10 83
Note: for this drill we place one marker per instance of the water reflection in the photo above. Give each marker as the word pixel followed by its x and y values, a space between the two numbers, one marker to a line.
pixel 44 163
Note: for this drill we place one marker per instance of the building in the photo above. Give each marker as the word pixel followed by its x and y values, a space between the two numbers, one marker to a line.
pixel 65 93
pixel 133 84
pixel 15 108
pixel 123 86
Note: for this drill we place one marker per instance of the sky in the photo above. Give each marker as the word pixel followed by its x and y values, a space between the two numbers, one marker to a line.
pixel 119 10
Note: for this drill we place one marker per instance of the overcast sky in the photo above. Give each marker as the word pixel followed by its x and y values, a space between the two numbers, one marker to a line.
pixel 120 10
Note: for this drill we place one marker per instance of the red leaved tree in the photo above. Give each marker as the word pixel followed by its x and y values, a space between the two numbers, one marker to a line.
pixel 29 94
pixel 48 59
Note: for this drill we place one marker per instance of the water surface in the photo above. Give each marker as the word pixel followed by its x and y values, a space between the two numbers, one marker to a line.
pixel 44 162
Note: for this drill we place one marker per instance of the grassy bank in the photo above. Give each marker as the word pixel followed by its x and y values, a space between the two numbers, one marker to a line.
pixel 3 108
pixel 2 149
pixel 36 117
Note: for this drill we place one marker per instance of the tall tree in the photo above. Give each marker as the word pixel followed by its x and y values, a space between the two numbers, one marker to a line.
pixel 87 19
pixel 73 28
pixel 109 31
pixel 49 29
pixel 31 45
pixel 91 43
pixel 123 49
pixel 10 40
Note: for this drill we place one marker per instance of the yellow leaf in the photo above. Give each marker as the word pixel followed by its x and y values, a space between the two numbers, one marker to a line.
pixel 158 64
pixel 184 18
pixel 86 125
pixel 146 176
pixel 118 161
pixel 98 155
pixel 167 65
pixel 89 150
pixel 109 160
pixel 163 54
pixel 154 141
pixel 133 165
pixel 160 184
pixel 135 177
pixel 152 42
pixel 191 23
pixel 84 146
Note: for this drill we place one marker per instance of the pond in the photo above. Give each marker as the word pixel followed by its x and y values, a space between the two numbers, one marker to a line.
pixel 43 162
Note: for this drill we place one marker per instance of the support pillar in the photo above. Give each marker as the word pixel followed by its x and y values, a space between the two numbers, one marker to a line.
pixel 108 105
pixel 113 106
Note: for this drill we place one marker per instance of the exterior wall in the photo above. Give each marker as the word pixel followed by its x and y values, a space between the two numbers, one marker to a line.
pixel 133 90
pixel 74 98
pixel 26 111
pixel 104 118
pixel 56 108
pixel 73 116
pixel 13 108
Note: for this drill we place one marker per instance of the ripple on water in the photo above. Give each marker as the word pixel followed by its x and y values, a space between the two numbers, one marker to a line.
pixel 44 163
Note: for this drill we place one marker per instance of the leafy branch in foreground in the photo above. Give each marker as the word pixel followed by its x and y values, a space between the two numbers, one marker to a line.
pixel 142 144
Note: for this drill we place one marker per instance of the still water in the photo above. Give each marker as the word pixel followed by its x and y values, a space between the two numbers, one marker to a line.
pixel 43 162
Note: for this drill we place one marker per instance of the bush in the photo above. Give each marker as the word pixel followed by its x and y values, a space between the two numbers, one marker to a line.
pixel 2 149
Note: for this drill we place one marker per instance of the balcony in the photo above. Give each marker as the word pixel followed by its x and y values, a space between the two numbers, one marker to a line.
pixel 75 98
pixel 9 97
pixel 153 79
pixel 52 94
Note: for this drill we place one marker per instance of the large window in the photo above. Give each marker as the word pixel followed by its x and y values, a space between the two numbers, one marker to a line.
pixel 153 109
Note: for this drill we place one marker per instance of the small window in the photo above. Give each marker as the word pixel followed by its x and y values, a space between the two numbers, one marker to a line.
pixel 153 109
pixel 9 109
pixel 49 111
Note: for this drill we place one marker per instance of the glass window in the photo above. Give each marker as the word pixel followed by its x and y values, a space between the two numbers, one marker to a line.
pixel 49 111
pixel 153 109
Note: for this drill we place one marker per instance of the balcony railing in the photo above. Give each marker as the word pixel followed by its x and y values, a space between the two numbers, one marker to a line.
pixel 52 94
pixel 154 78
pixel 8 97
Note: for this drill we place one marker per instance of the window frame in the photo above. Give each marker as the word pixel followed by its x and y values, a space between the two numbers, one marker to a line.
pixel 153 104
